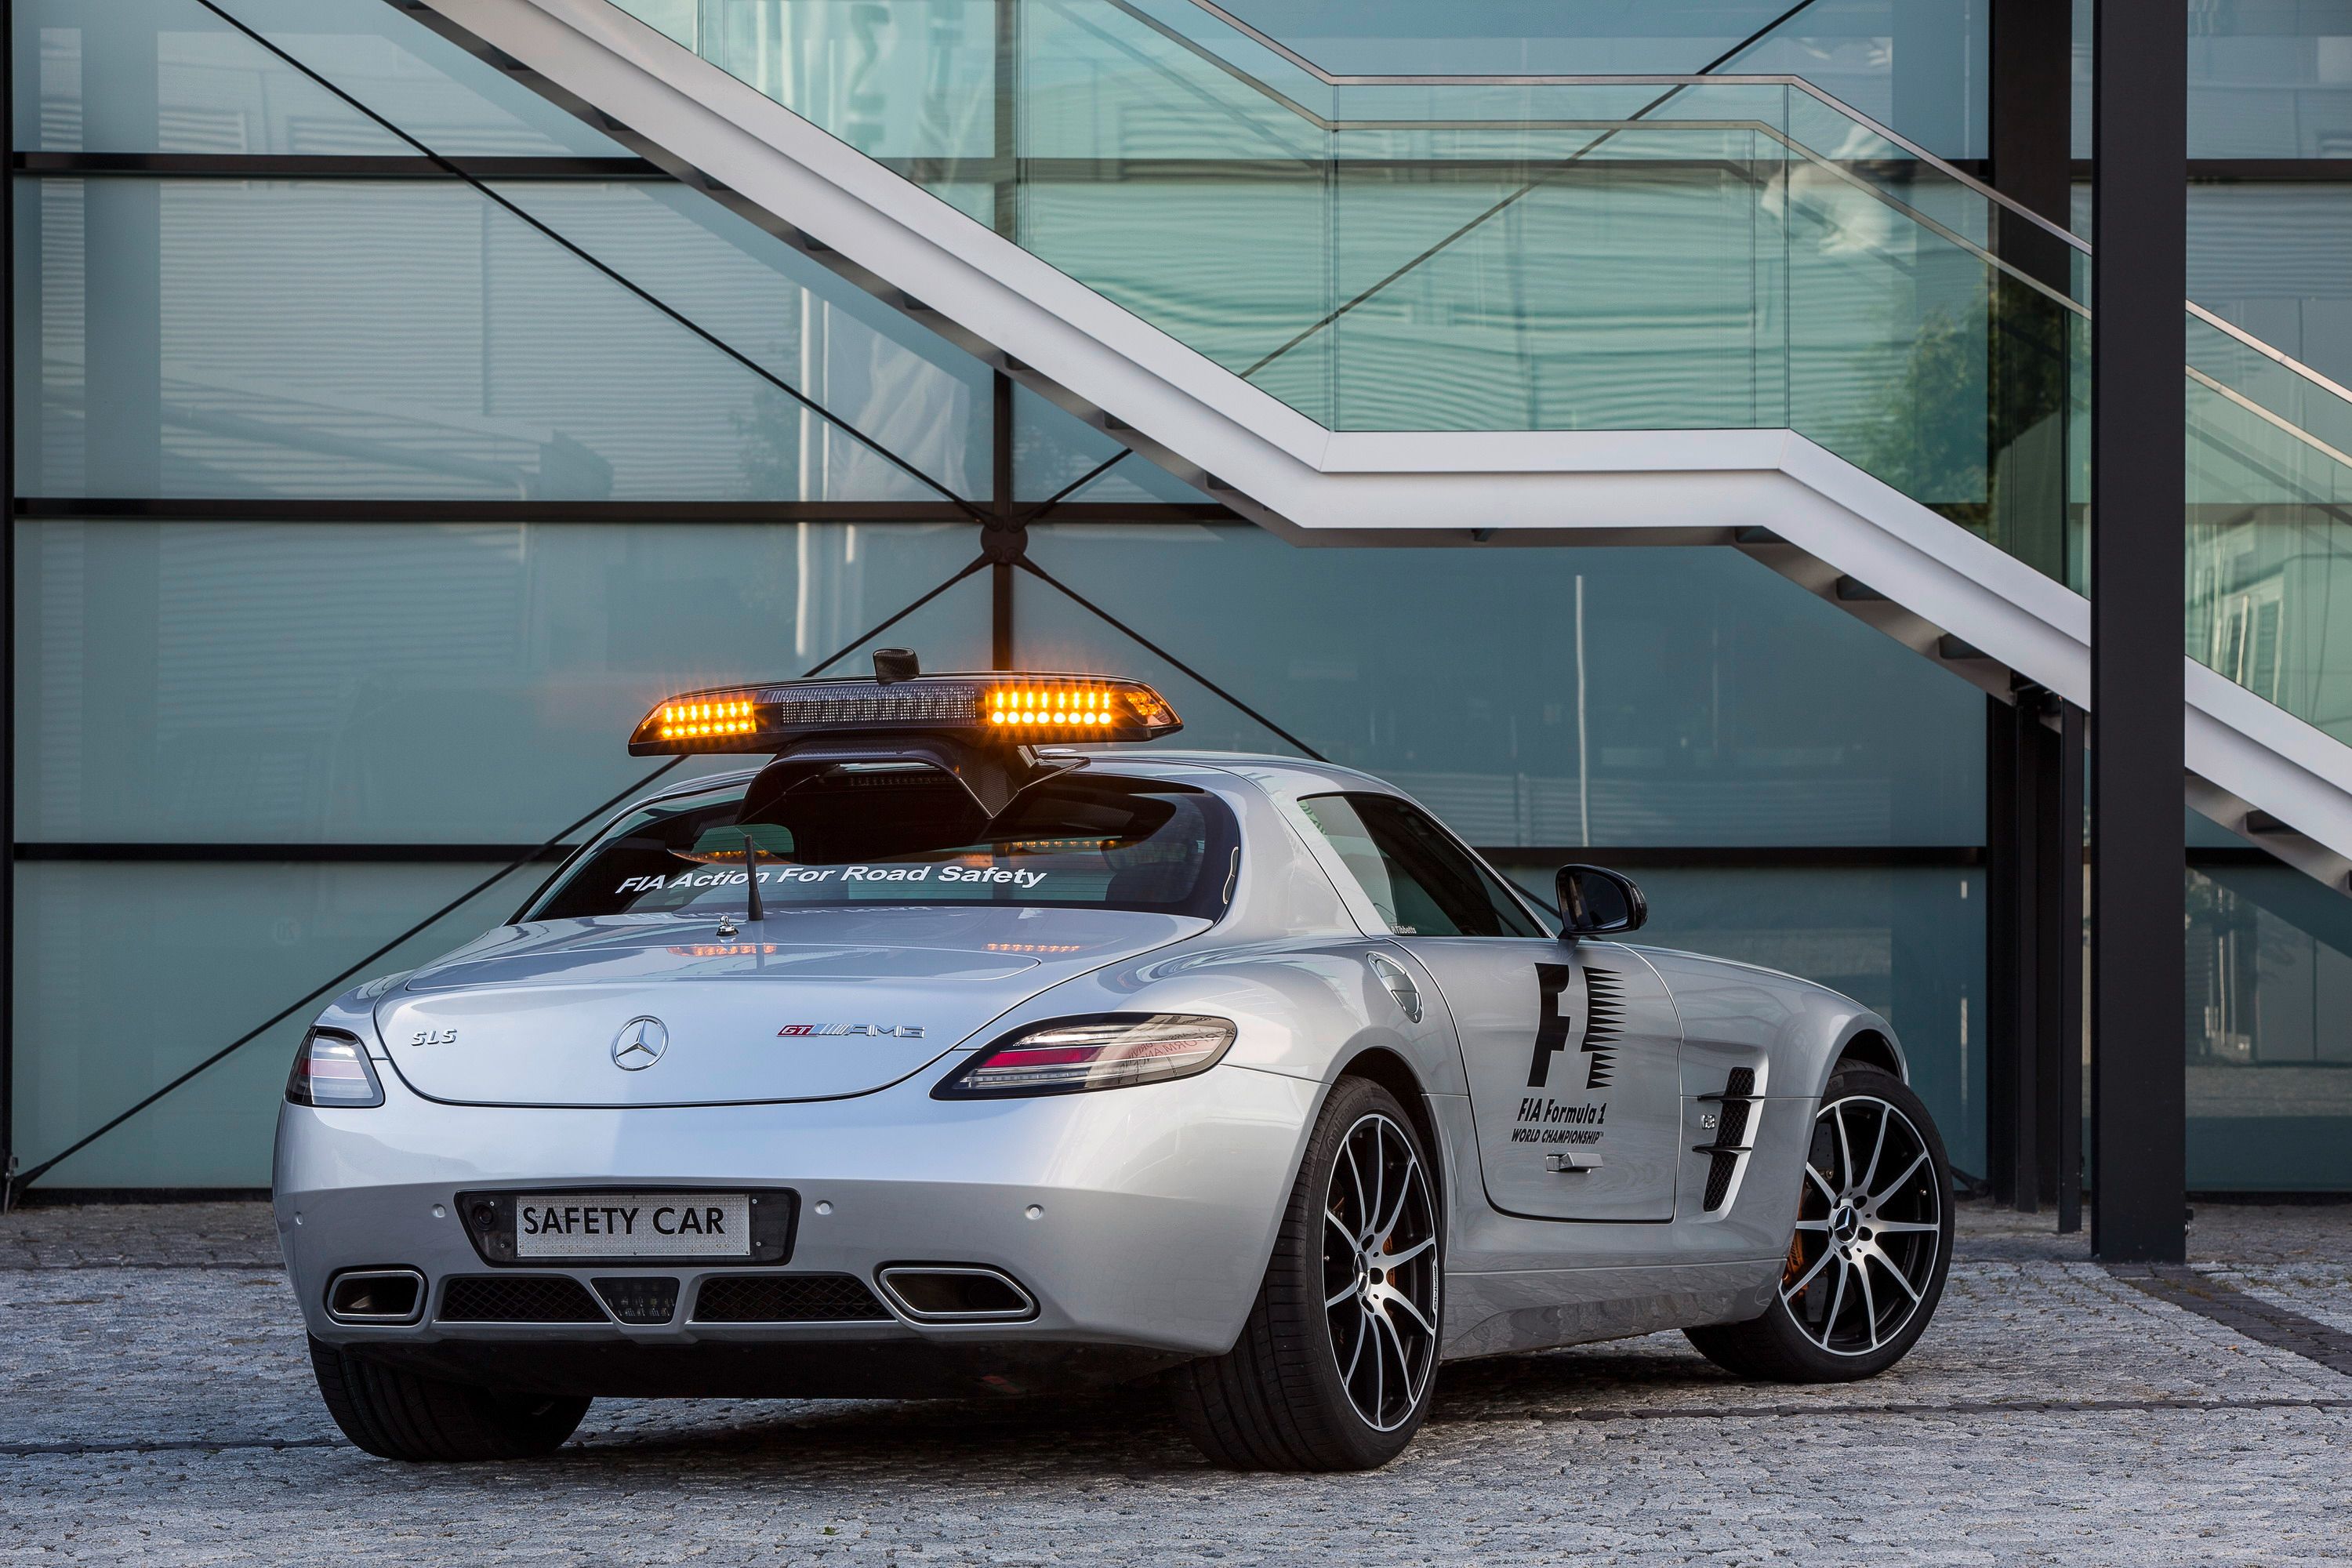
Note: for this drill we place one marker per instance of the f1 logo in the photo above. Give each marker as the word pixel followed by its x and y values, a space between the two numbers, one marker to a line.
pixel 1551 1024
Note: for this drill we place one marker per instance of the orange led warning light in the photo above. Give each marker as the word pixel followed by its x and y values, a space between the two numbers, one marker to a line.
pixel 1047 709
pixel 1020 708
pixel 706 716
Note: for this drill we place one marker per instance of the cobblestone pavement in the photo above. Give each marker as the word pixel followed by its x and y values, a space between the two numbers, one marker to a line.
pixel 172 1235
pixel 158 1408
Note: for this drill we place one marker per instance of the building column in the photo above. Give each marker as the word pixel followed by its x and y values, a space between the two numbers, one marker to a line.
pixel 10 284
pixel 2028 127
pixel 2033 960
pixel 2032 990
pixel 2139 457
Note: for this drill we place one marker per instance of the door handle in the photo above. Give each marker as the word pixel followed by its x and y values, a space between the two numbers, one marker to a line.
pixel 1571 1164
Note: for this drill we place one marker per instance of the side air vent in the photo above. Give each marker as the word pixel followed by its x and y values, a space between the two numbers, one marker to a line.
pixel 1731 1136
pixel 787 1299
pixel 518 1299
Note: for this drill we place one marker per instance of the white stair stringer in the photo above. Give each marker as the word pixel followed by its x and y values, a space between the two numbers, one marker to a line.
pixel 1782 498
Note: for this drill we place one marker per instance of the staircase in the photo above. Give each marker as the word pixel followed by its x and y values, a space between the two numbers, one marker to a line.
pixel 1477 312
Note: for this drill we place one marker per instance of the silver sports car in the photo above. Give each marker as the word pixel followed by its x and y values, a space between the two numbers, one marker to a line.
pixel 959 1047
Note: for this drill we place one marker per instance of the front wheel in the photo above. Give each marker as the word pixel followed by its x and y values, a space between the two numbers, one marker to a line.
pixel 1873 1239
pixel 396 1415
pixel 1333 1370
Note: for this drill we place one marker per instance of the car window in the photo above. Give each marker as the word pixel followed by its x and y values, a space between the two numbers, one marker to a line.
pixel 1420 879
pixel 910 836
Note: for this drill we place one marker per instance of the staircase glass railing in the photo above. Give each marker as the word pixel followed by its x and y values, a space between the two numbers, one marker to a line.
pixel 1597 253
pixel 2270 525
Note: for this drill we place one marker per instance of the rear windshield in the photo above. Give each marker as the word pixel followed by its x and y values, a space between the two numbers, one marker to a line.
pixel 910 836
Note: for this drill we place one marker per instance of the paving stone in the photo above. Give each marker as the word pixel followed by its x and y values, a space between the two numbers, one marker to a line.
pixel 2055 1413
pixel 2320 1291
pixel 2188 1441
pixel 188 1236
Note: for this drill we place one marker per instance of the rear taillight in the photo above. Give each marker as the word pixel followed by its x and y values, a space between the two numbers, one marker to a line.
pixel 1069 1055
pixel 332 1068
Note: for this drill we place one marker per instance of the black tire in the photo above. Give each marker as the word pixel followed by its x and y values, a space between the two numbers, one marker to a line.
pixel 396 1415
pixel 1897 1241
pixel 1288 1397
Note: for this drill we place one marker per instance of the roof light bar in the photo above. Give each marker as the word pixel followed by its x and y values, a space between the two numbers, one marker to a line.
pixel 1017 706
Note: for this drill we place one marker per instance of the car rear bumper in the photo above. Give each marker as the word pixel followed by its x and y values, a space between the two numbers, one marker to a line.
pixel 1137 1220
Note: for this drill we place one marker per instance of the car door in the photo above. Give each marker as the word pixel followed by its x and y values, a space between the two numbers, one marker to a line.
pixel 1571 1047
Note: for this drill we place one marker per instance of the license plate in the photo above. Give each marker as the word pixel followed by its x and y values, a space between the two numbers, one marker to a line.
pixel 633 1225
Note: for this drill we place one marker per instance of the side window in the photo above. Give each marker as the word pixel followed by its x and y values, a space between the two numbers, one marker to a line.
pixel 1422 881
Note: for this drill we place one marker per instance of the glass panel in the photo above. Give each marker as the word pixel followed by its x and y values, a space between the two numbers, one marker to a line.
pixel 911 79
pixel 2271 81
pixel 2269 554
pixel 1908 944
pixel 393 338
pixel 1098 81
pixel 168 75
pixel 864 362
pixel 220 947
pixel 1508 254
pixel 1544 316
pixel 1948 379
pixel 2264 80
pixel 1052 449
pixel 2270 258
pixel 1856 49
pixel 461 683
pixel 1233 269
pixel 2270 1064
pixel 1531 696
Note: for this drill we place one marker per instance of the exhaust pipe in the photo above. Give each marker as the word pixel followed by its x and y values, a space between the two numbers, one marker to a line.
pixel 956 1293
pixel 377 1296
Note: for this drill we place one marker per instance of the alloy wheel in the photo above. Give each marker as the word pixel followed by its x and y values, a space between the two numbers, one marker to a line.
pixel 1380 1271
pixel 1869 1229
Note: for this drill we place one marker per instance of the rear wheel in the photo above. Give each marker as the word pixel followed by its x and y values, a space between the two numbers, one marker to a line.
pixel 397 1415
pixel 1873 1239
pixel 1333 1369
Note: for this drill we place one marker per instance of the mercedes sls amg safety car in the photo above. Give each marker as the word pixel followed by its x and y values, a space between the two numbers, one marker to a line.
pixel 959 1047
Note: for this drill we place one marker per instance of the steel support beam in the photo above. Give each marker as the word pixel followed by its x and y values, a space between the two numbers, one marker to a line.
pixel 2007 931
pixel 2029 126
pixel 2072 726
pixel 1005 216
pixel 2033 969
pixel 8 285
pixel 2139 457
pixel 2030 852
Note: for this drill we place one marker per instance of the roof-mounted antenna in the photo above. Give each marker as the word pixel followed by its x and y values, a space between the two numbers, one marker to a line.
pixel 892 665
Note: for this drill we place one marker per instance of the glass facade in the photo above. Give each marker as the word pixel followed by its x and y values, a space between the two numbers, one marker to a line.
pixel 1919 69
pixel 1559 697
pixel 284 683
pixel 386 338
pixel 2267 79
pixel 358 517
pixel 1481 253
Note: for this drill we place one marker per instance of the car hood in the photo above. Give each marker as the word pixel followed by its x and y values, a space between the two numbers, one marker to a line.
pixel 805 1005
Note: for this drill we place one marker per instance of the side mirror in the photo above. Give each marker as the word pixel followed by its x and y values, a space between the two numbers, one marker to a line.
pixel 1596 902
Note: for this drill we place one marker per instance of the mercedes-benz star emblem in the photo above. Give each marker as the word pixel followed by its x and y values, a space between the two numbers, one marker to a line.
pixel 639 1045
